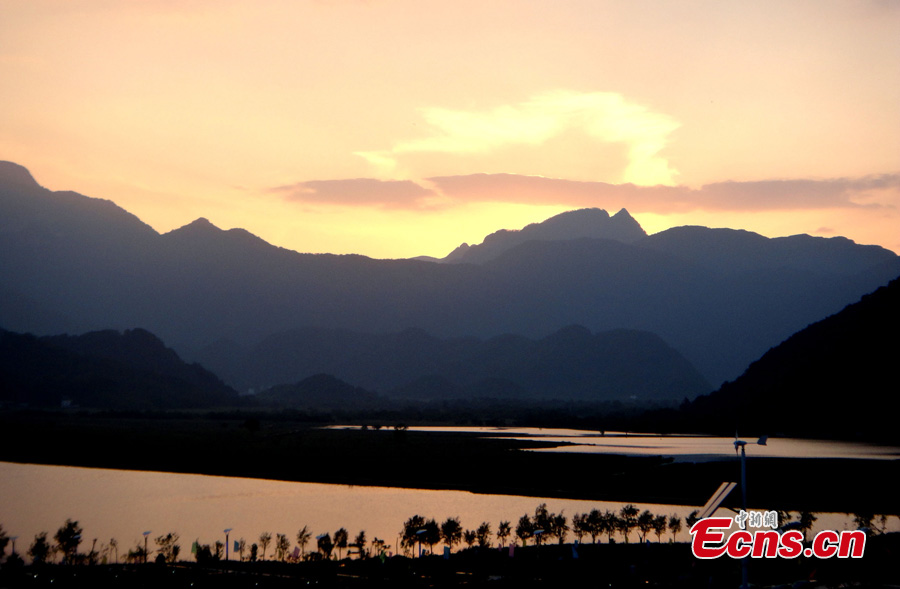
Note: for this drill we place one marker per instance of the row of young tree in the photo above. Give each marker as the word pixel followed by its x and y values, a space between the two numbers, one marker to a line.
pixel 418 532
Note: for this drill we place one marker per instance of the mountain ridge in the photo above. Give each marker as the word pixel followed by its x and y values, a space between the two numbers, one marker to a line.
pixel 69 267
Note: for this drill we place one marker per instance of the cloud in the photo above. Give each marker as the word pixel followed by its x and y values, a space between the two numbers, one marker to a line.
pixel 359 191
pixel 871 192
pixel 867 192
pixel 605 117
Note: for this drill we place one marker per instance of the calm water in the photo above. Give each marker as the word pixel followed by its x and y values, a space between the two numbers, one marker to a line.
pixel 123 504
pixel 680 447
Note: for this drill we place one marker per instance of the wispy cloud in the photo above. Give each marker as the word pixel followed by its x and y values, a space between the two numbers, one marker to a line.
pixel 605 117
pixel 871 192
pixel 359 191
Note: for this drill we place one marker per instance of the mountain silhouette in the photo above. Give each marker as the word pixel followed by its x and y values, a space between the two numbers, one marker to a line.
pixel 720 297
pixel 106 369
pixel 570 364
pixel 582 223
pixel 320 392
pixel 832 379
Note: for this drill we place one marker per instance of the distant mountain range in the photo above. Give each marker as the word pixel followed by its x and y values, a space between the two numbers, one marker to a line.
pixel 130 370
pixel 719 297
pixel 571 364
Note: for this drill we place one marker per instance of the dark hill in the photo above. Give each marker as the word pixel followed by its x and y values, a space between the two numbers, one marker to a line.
pixel 321 392
pixel 571 364
pixel 111 370
pixel 836 378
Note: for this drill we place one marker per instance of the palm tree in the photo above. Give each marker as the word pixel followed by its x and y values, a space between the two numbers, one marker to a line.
pixel 303 537
pixel 360 543
pixel 264 539
pixel 503 532
pixel 282 546
pixel 340 540
pixel 451 531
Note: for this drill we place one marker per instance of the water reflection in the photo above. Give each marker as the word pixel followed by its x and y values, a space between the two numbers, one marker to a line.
pixel 681 447
pixel 123 504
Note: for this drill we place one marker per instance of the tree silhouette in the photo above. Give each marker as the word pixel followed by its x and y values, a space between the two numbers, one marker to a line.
pixel 580 526
pixel 282 547
pixel 303 538
pixel 340 540
pixel 674 526
pixel 483 534
pixel 692 518
pixel 360 543
pixel 451 531
pixel 325 545
pixel 660 523
pixel 503 532
pixel 378 547
pixel 644 524
pixel 264 540
pixel 628 520
pixel 543 523
pixel 167 547
pixel 863 520
pixel 469 536
pixel 559 527
pixel 138 554
pixel 610 524
pixel 40 549
pixel 408 537
pixel 68 537
pixel 431 535
pixel 806 519
pixel 242 545
pixel 4 540
pixel 114 545
pixel 524 529
pixel 595 523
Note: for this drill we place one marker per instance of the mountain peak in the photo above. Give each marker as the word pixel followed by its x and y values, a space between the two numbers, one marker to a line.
pixel 16 175
pixel 593 223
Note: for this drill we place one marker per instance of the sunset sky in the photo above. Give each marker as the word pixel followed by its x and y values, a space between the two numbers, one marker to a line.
pixel 395 128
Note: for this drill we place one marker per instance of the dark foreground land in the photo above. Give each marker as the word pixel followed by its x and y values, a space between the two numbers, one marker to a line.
pixel 280 448
pixel 602 565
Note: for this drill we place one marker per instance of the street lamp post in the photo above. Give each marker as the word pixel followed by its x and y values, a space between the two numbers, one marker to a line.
pixel 419 539
pixel 741 446
pixel 227 531
pixel 147 533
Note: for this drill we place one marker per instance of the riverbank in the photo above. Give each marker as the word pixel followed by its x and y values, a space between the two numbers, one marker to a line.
pixel 614 566
pixel 281 448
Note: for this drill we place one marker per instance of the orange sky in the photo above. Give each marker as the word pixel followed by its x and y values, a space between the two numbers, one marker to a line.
pixel 368 126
